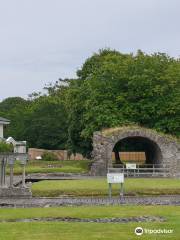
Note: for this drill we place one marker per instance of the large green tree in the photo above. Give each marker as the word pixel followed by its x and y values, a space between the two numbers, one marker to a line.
pixel 46 120
pixel 114 89
pixel 111 89
pixel 42 121
pixel 14 108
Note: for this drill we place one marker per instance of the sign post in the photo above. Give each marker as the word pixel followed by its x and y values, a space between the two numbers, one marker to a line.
pixel 121 190
pixel 115 178
pixel 110 190
pixel 131 166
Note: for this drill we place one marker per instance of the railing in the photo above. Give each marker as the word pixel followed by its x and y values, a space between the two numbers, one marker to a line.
pixel 141 170
pixel 9 159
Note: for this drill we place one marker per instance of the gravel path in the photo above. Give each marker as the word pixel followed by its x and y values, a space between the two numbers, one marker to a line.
pixel 94 220
pixel 52 202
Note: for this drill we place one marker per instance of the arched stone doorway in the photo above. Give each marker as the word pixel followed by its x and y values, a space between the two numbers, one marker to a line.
pixel 150 149
pixel 158 147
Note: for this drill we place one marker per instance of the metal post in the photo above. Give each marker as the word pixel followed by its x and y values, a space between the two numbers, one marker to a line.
pixel 2 173
pixel 153 169
pixel 121 190
pixel 23 176
pixel 11 176
pixel 110 190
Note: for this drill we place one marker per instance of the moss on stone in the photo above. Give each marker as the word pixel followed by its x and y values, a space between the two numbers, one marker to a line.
pixel 113 131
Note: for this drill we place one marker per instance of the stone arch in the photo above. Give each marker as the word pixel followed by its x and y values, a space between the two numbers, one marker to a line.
pixel 104 142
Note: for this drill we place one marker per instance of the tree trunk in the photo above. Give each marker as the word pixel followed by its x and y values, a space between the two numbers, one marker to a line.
pixel 117 157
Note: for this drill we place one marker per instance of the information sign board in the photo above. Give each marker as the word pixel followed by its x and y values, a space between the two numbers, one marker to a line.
pixel 130 166
pixel 115 178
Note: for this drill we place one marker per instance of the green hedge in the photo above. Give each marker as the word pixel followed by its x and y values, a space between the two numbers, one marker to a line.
pixel 4 147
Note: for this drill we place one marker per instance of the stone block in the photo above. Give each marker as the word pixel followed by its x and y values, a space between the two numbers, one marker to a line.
pixel 15 192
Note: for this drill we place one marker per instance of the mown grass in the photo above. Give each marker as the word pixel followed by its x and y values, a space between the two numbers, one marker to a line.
pixel 99 187
pixel 170 212
pixel 66 166
pixel 89 231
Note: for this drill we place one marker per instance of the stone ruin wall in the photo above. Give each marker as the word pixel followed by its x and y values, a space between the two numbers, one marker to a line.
pixel 103 146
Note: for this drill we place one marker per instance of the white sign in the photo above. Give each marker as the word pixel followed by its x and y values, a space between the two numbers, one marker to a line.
pixel 130 166
pixel 115 177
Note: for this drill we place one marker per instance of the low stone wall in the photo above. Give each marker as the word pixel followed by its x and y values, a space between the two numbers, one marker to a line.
pixel 61 154
pixel 15 193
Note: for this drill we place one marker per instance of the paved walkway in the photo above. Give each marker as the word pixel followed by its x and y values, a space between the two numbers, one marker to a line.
pixel 49 202
pixel 59 176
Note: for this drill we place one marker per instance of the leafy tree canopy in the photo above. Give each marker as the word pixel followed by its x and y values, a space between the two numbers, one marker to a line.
pixel 111 89
pixel 115 89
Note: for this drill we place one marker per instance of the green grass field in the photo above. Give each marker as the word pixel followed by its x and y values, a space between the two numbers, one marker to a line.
pixel 89 231
pixel 99 187
pixel 67 166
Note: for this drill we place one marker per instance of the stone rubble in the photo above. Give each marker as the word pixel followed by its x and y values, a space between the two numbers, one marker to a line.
pixel 90 220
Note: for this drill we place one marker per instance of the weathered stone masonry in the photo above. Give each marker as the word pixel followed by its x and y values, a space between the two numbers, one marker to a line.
pixel 168 150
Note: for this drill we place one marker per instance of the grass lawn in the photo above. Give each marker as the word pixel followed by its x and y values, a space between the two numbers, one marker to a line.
pixel 99 187
pixel 67 166
pixel 88 231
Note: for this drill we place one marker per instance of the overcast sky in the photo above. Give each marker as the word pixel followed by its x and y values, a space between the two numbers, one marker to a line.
pixel 43 40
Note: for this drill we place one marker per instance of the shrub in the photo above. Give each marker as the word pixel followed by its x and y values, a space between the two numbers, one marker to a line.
pixel 49 156
pixel 4 147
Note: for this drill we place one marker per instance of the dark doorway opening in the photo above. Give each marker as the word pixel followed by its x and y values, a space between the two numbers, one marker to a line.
pixel 149 152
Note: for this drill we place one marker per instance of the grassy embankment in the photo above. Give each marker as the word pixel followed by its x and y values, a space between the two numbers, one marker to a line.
pixel 99 187
pixel 40 166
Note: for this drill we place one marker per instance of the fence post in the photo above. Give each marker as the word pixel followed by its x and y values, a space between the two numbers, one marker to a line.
pixel 153 170
pixel 11 176
pixel 110 190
